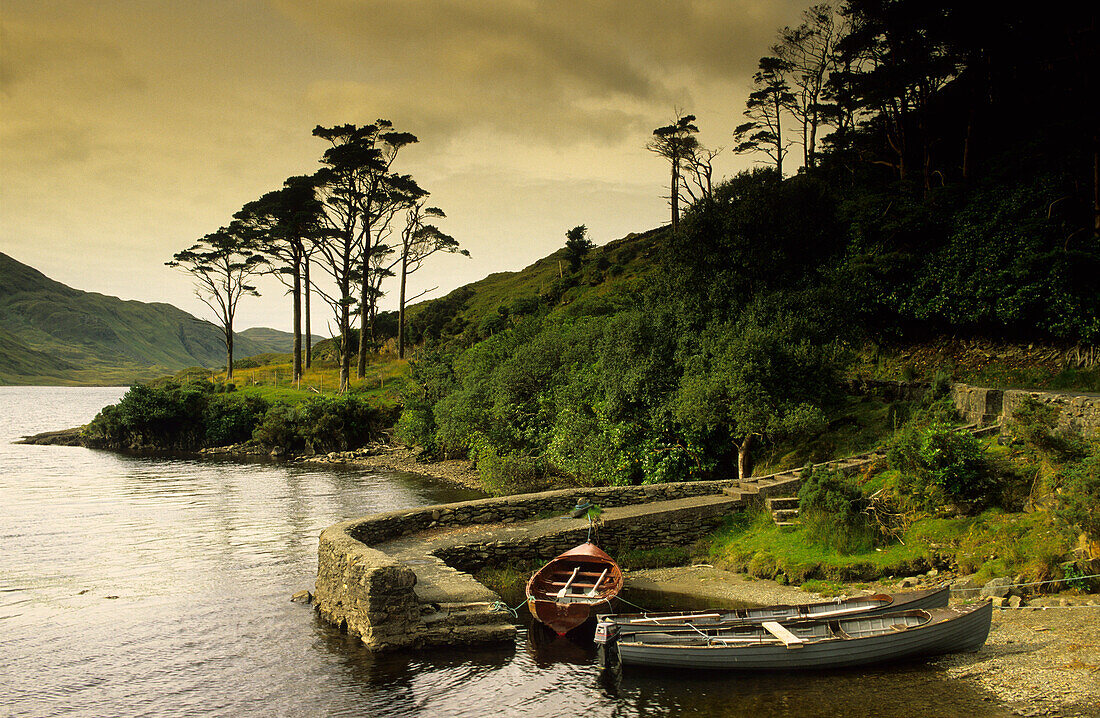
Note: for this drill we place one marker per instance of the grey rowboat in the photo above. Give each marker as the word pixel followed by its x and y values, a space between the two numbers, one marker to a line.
pixel 816 644
pixel 840 608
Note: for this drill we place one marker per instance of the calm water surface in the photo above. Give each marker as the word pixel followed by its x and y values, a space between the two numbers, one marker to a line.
pixel 160 587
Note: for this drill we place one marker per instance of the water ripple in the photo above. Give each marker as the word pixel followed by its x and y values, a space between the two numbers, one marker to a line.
pixel 159 587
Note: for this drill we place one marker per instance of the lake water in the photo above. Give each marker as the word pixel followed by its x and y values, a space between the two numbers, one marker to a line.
pixel 138 586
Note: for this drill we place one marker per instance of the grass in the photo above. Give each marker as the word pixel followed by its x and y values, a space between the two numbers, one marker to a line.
pixel 857 425
pixel 384 379
pixel 827 589
pixel 752 543
pixel 993 543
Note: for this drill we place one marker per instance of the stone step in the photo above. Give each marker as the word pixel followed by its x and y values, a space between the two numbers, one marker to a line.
pixel 451 615
pixel 468 635
pixel 781 515
pixel 782 502
pixel 788 524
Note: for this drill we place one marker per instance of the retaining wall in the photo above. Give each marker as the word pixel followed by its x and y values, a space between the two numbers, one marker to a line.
pixel 522 507
pixel 365 592
pixel 1078 412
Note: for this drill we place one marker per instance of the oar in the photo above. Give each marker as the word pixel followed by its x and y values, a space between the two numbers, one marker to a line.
pixel 592 591
pixel 565 589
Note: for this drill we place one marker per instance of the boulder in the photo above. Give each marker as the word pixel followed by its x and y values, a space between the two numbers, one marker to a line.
pixel 998 588
pixel 302 597
pixel 965 588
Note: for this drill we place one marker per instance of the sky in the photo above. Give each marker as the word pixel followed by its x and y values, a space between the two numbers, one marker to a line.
pixel 129 129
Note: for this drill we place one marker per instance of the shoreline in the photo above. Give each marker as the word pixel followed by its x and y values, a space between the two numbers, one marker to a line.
pixel 459 472
pixel 1041 659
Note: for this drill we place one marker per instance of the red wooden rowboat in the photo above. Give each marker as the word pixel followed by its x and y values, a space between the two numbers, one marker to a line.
pixel 562 593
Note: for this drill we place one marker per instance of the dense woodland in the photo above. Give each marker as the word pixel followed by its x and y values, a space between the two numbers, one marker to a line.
pixel 925 169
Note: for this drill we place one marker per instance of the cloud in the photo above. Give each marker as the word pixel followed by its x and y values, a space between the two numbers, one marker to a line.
pixel 84 66
pixel 556 72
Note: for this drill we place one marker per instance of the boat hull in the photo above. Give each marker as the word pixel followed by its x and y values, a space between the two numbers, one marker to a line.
pixel 559 617
pixel 952 630
pixel 564 593
pixel 848 608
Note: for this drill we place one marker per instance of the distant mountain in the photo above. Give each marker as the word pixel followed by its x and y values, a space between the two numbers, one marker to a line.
pixel 53 334
pixel 274 340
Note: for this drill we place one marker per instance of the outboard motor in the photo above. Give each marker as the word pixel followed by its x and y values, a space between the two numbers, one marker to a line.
pixel 606 639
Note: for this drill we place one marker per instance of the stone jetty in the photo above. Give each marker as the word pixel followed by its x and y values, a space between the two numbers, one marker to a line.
pixel 403 579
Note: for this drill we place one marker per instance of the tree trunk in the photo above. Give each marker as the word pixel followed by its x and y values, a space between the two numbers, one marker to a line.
pixel 968 145
pixel 806 144
pixel 309 337
pixel 297 292
pixel 401 308
pixel 345 349
pixel 675 196
pixel 778 139
pixel 744 466
pixel 811 156
pixel 229 351
pixel 361 364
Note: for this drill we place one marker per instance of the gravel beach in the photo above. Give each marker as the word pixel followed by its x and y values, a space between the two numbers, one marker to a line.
pixel 1038 660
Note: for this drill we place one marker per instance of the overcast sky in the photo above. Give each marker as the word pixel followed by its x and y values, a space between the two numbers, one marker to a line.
pixel 130 129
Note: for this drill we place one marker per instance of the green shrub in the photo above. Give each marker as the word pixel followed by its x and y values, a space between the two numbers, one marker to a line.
pixel 941 384
pixel 231 418
pixel 503 474
pixel 1035 424
pixel 278 428
pixel 832 512
pixel 168 416
pixel 953 460
pixel 323 424
pixel 937 465
pixel 1077 496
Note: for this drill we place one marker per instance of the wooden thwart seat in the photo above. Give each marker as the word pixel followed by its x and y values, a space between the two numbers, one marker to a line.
pixel 789 639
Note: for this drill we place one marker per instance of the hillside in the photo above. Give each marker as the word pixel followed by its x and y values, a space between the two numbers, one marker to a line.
pixel 548 279
pixel 53 334
pixel 270 341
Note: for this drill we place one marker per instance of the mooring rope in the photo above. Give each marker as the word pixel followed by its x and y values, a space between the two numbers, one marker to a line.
pixel 1029 583
pixel 640 608
pixel 504 607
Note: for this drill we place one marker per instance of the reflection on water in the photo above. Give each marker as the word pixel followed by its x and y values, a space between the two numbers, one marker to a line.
pixel 155 586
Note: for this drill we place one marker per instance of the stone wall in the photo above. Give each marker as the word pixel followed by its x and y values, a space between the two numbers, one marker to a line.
pixel 1077 412
pixel 522 507
pixel 977 404
pixel 365 592
pixel 371 594
pixel 666 529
